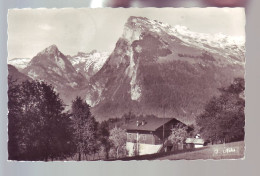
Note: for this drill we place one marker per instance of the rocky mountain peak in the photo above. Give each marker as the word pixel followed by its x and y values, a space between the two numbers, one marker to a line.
pixel 136 27
pixel 81 54
pixel 52 49
pixel 93 51
pixel 155 65
pixel 154 69
pixel 53 66
pixel 90 63
pixel 135 19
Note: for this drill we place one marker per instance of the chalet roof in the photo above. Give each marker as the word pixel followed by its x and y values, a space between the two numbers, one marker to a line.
pixel 194 141
pixel 151 124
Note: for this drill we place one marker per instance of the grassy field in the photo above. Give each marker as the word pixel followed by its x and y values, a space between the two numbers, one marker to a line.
pixel 233 150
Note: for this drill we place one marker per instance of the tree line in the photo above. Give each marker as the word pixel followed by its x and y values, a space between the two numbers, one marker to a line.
pixel 223 119
pixel 39 128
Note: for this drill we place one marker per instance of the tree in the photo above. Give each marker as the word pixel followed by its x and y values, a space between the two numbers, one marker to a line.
pixel 118 140
pixel 194 130
pixel 178 134
pixel 85 128
pixel 103 136
pixel 14 119
pixel 127 117
pixel 38 127
pixel 223 118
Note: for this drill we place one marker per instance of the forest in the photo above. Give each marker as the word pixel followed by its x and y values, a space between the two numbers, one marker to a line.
pixel 41 128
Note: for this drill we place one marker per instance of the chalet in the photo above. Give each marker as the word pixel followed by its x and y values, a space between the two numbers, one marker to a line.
pixel 149 135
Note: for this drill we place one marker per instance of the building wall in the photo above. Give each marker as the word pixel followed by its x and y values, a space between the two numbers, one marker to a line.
pixel 144 149
pixel 145 138
pixel 198 146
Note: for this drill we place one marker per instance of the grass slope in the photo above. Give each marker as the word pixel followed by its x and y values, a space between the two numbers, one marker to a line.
pixel 233 150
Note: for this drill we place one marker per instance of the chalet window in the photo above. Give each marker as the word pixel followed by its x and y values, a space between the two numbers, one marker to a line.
pixel 129 136
pixel 144 136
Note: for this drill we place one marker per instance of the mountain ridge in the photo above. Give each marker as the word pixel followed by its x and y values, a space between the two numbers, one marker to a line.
pixel 154 69
pixel 15 75
pixel 143 73
pixel 88 64
pixel 19 63
pixel 53 66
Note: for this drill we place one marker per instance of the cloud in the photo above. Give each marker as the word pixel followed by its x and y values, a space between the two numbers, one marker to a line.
pixel 45 27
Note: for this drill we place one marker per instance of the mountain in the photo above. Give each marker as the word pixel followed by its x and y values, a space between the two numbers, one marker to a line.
pixel 19 63
pixel 15 75
pixel 156 69
pixel 215 43
pixel 53 66
pixel 89 64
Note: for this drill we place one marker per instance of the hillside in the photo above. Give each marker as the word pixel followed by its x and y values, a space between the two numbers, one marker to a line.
pixel 88 64
pixel 153 70
pixel 15 75
pixel 234 150
pixel 53 66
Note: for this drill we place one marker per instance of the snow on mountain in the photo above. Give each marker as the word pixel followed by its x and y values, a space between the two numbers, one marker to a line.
pixel 19 63
pixel 89 64
pixel 153 69
pixel 230 46
pixel 52 66
pixel 163 70
pixel 217 40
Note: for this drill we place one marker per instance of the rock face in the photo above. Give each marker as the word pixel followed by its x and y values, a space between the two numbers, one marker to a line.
pixel 15 75
pixel 89 64
pixel 156 69
pixel 52 66
pixel 153 69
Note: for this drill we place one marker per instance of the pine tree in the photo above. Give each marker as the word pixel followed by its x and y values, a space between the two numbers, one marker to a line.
pixel 103 136
pixel 85 128
pixel 14 119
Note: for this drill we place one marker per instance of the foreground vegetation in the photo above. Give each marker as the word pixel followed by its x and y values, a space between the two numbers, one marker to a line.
pixel 223 119
pixel 39 128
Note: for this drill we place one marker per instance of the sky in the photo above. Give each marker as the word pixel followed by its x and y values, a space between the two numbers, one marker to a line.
pixel 83 30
